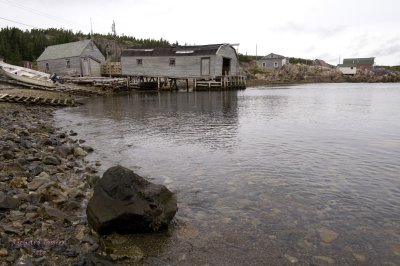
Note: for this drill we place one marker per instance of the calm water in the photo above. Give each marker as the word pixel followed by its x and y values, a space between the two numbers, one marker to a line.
pixel 304 174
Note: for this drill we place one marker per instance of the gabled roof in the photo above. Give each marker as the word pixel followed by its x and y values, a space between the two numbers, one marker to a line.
pixel 210 49
pixel 359 61
pixel 65 50
pixel 273 56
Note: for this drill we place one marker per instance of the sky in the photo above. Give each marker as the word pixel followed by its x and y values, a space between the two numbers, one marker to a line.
pixel 325 29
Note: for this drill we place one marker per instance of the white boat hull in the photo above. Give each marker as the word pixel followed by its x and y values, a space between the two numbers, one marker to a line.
pixel 27 75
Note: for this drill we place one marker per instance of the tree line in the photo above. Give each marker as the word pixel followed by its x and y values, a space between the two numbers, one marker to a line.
pixel 17 46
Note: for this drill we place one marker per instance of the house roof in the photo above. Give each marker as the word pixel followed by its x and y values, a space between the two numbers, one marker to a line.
pixel 273 56
pixel 209 49
pixel 359 61
pixel 65 50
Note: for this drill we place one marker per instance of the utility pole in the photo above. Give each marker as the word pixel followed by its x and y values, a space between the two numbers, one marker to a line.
pixel 91 29
pixel 256 55
pixel 113 28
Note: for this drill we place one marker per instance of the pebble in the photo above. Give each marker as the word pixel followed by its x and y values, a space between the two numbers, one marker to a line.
pixel 32 157
pixel 396 249
pixel 291 259
pixel 327 235
pixel 326 259
pixel 3 252
pixel 359 257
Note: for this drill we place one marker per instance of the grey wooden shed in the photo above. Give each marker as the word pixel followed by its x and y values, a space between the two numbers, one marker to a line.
pixel 273 61
pixel 80 58
pixel 182 62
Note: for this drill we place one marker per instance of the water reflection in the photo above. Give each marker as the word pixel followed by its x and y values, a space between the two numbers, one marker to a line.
pixel 307 174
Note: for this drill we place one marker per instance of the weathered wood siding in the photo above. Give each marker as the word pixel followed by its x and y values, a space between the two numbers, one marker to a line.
pixel 226 51
pixel 95 68
pixel 270 63
pixel 59 66
pixel 94 52
pixel 203 62
pixel 185 66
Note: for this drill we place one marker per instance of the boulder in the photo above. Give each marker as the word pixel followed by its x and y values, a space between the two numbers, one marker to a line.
pixel 7 202
pixel 125 202
pixel 79 152
pixel 51 160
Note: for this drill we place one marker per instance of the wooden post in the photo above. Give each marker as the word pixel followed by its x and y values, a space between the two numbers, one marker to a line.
pixel 195 84
pixel 158 83
pixel 187 84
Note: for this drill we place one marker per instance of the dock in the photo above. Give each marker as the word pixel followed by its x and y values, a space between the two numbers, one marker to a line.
pixel 171 83
pixel 38 100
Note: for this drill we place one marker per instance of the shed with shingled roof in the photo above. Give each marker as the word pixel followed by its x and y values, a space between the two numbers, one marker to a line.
pixel 81 58
pixel 200 62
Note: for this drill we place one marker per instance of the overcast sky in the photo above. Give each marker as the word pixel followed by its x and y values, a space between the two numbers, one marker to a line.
pixel 324 29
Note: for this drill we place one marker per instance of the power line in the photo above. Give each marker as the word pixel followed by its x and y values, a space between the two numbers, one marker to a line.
pixel 43 14
pixel 18 22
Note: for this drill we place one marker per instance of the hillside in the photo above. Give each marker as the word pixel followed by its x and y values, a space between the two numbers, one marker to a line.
pixel 17 46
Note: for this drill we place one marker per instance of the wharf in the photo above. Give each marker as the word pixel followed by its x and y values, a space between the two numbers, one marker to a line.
pixel 171 83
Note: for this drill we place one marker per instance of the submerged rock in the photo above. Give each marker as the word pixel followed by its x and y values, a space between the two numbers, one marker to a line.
pixel 327 235
pixel 125 202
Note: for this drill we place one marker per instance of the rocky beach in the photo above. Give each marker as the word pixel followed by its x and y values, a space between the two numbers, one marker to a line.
pixel 45 186
pixel 300 73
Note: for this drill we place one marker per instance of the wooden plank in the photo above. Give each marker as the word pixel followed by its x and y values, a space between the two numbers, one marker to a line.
pixel 3 96
pixel 34 100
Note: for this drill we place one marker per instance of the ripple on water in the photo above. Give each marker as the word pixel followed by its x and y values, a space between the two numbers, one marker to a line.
pixel 259 172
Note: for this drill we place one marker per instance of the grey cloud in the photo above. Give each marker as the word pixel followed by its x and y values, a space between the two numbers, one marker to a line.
pixel 387 49
pixel 322 32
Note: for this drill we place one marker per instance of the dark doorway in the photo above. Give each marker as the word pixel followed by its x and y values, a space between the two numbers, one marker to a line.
pixel 226 66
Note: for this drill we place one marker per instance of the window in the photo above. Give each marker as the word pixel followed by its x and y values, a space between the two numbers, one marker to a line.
pixel 47 68
pixel 139 61
pixel 68 65
pixel 351 67
pixel 172 61
pixel 275 64
pixel 264 64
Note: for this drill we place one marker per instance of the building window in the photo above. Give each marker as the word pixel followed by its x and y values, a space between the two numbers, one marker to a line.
pixel 139 61
pixel 264 64
pixel 68 65
pixel 47 68
pixel 275 64
pixel 351 67
pixel 172 61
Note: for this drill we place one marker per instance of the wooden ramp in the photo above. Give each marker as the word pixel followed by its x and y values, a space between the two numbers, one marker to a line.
pixel 37 100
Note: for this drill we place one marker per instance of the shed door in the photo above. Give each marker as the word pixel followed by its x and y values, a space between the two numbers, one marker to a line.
pixel 205 66
pixel 85 67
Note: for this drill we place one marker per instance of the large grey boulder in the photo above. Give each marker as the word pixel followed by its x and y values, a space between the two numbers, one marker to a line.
pixel 125 202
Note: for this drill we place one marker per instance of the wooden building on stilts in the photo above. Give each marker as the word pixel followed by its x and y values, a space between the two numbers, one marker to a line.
pixel 204 66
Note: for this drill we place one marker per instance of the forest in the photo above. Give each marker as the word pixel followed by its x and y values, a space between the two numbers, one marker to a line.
pixel 17 46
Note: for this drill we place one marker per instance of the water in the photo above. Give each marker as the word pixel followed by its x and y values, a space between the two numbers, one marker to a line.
pixel 265 176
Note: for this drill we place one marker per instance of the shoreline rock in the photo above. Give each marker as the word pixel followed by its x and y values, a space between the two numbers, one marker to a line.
pixel 125 202
pixel 43 190
pixel 303 74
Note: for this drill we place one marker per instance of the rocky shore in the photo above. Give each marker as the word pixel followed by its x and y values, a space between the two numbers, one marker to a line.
pixel 289 74
pixel 45 185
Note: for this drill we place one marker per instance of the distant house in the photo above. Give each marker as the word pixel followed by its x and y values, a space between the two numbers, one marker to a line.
pixel 350 65
pixel 273 61
pixel 200 62
pixel 80 58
